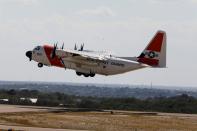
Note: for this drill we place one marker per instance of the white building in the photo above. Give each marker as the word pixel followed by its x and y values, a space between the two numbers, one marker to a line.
pixel 33 100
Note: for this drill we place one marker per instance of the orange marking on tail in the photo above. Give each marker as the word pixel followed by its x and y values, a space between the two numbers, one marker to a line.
pixel 156 43
pixel 149 61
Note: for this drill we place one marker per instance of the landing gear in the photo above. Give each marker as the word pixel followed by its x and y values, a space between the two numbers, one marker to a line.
pixel 79 73
pixel 92 75
pixel 40 65
pixel 85 75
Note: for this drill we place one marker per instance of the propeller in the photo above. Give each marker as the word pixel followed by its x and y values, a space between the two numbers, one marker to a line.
pixel 62 46
pixel 75 48
pixel 63 63
pixel 82 46
pixel 54 51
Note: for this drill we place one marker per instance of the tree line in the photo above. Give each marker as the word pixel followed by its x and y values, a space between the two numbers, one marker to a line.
pixel 177 104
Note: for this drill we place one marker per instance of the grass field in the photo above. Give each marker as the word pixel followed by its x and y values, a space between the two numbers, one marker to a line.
pixel 103 121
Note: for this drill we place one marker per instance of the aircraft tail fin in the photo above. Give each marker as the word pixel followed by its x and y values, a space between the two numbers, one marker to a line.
pixel 155 53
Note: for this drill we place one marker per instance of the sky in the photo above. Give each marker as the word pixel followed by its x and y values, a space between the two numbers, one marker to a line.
pixel 123 27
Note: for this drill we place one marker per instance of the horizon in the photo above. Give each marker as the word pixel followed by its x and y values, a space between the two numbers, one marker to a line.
pixel 141 86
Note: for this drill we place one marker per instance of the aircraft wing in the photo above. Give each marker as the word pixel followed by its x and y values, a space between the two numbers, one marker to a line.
pixel 79 55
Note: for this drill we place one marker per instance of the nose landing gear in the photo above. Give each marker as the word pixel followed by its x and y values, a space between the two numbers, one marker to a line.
pixel 40 65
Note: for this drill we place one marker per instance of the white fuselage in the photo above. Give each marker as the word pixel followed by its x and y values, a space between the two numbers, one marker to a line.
pixel 111 66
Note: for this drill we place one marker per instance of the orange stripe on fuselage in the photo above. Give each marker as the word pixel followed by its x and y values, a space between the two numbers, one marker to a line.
pixel 55 61
pixel 156 43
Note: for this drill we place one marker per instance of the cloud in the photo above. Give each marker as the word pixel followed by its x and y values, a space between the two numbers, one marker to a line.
pixel 171 1
pixel 194 1
pixel 166 1
pixel 100 11
pixel 27 2
pixel 21 2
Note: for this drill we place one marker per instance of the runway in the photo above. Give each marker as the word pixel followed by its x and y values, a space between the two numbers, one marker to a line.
pixel 6 127
pixel 17 109
pixel 30 118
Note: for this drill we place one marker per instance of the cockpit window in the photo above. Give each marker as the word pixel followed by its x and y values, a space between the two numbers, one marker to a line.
pixel 37 48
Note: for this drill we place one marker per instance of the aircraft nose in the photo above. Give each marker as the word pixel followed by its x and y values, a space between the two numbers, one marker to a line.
pixel 29 55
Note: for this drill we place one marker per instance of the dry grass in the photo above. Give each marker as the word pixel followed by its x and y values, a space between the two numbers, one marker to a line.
pixel 103 121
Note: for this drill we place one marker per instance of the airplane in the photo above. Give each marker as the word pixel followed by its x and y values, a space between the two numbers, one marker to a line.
pixel 89 63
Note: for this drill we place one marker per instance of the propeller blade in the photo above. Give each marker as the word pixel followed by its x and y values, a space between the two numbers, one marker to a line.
pixel 75 48
pixel 63 63
pixel 62 46
pixel 54 51
pixel 82 47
